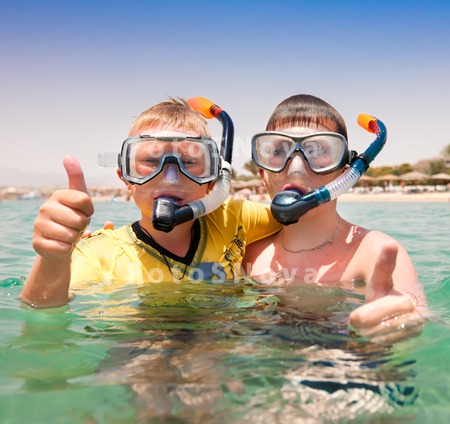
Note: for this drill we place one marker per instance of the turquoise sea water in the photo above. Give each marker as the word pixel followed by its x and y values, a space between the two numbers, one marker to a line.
pixel 224 353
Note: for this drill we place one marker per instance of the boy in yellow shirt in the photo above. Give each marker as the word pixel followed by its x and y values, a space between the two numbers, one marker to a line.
pixel 168 161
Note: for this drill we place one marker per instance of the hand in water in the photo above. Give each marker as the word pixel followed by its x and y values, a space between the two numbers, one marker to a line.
pixel 63 218
pixel 389 315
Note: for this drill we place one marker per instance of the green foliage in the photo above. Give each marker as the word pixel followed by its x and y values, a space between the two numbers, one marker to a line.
pixel 446 151
pixel 385 170
pixel 402 169
pixel 378 172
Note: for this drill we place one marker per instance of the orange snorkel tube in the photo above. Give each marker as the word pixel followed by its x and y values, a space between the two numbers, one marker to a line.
pixel 210 110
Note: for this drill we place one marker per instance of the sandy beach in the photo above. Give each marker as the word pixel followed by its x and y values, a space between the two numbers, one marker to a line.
pixel 396 197
pixel 371 196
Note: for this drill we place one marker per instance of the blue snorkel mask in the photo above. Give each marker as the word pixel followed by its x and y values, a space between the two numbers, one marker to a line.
pixel 289 205
pixel 145 156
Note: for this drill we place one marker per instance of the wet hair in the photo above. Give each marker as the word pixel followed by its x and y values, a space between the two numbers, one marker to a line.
pixel 173 114
pixel 305 110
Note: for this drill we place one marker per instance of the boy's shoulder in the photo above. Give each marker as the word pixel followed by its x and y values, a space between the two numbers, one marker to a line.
pixel 243 204
pixel 239 209
pixel 106 236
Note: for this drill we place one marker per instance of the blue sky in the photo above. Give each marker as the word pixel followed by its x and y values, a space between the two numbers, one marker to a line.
pixel 74 74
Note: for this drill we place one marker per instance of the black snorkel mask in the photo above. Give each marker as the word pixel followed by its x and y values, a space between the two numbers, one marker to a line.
pixel 167 213
pixel 289 205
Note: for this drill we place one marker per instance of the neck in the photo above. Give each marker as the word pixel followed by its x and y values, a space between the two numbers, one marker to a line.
pixel 312 232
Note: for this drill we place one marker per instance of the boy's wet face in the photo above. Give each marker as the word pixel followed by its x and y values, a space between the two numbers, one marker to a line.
pixel 298 175
pixel 168 183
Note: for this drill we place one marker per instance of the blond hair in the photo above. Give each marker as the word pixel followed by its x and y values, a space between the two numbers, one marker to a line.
pixel 173 114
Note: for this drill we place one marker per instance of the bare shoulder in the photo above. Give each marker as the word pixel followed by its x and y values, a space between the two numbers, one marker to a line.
pixel 373 241
pixel 366 244
pixel 357 253
pixel 373 244
pixel 258 250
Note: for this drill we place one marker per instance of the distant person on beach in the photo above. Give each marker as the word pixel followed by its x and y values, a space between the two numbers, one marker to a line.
pixel 211 247
pixel 322 248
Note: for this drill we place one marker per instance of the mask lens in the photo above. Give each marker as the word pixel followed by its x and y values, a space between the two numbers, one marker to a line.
pixel 196 159
pixel 144 158
pixel 323 152
pixel 272 151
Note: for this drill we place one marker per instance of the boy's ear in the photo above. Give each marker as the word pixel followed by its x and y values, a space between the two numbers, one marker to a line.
pixel 262 175
pixel 119 174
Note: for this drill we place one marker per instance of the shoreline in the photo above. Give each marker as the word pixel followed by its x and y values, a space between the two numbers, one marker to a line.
pixel 441 197
pixel 438 197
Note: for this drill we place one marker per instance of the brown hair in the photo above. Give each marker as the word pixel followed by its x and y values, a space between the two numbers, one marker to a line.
pixel 174 114
pixel 304 110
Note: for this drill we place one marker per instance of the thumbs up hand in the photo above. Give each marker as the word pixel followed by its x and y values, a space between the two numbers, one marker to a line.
pixel 63 218
pixel 389 315
pixel 381 281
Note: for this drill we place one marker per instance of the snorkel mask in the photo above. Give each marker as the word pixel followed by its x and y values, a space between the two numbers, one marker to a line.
pixel 289 205
pixel 145 156
pixel 325 152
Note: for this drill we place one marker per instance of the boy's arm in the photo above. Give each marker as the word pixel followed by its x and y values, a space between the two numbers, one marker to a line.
pixel 58 227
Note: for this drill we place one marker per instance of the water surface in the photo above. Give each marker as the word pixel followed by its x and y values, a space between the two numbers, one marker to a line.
pixel 221 353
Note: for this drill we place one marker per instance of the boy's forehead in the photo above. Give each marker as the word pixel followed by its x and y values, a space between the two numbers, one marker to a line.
pixel 157 132
pixel 304 126
pixel 303 130
pixel 164 131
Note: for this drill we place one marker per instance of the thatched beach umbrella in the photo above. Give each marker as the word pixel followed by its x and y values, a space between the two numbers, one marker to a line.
pixel 252 184
pixel 388 177
pixel 367 178
pixel 237 184
pixel 414 176
pixel 442 176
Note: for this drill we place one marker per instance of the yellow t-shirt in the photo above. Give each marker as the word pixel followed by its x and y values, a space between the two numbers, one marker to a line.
pixel 119 256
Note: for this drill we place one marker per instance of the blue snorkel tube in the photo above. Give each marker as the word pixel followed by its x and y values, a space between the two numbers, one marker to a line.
pixel 166 212
pixel 289 205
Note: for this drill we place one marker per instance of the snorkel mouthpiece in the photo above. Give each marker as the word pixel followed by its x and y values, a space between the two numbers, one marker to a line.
pixel 167 213
pixel 289 205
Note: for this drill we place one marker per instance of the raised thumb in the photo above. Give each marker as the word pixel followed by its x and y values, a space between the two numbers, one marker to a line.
pixel 74 174
pixel 381 282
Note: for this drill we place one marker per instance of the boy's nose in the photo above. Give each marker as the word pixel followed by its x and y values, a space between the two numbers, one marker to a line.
pixel 297 165
pixel 171 174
